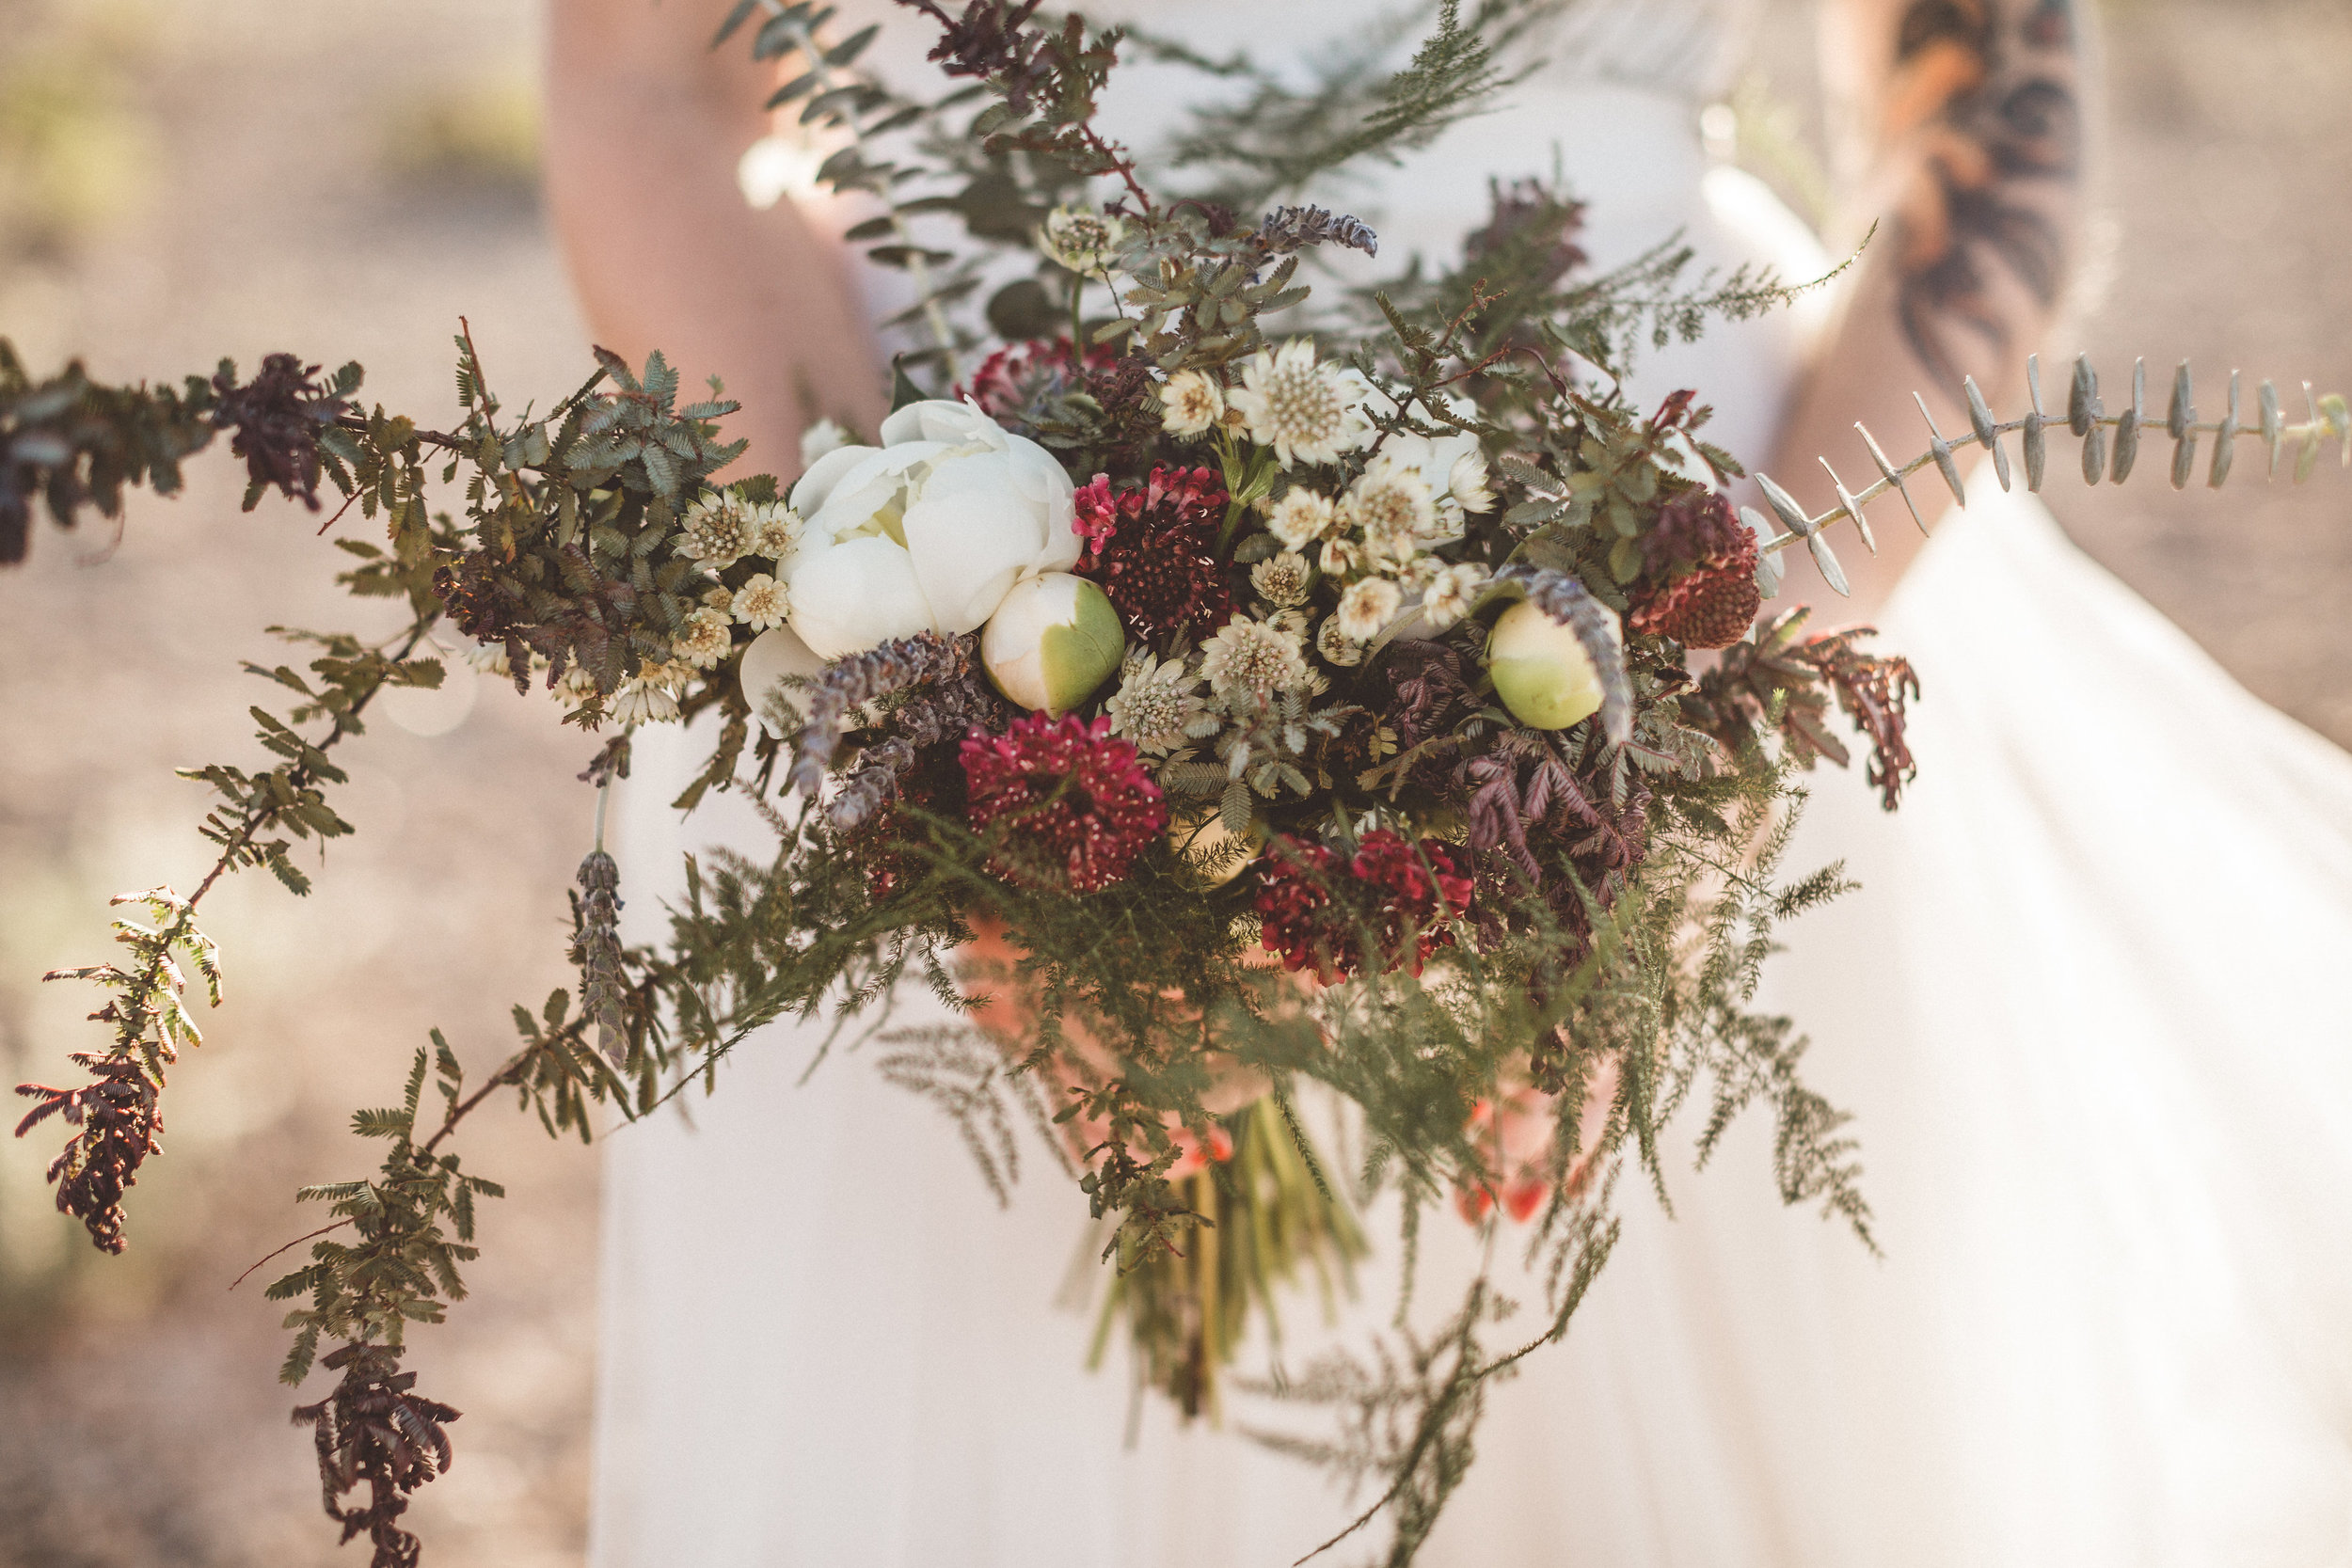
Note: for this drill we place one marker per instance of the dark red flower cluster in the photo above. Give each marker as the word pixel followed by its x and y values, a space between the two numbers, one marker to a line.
pixel 1152 547
pixel 1078 799
pixel 1021 378
pixel 1698 582
pixel 1312 910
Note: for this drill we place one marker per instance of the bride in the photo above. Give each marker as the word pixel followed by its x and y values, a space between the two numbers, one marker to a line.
pixel 2085 1007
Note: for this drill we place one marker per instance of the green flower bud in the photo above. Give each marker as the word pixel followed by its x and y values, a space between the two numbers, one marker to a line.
pixel 1053 640
pixel 1541 671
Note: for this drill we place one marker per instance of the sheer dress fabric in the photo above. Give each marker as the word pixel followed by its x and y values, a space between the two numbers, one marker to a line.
pixel 2087 1008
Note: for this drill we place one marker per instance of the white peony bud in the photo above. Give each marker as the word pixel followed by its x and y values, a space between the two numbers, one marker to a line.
pixel 773 654
pixel 1541 671
pixel 1053 640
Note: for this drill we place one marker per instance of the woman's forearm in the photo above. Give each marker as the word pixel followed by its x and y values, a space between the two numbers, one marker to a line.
pixel 644 126
pixel 1973 112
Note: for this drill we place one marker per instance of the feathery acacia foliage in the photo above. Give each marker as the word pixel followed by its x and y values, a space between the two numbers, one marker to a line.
pixel 1625 874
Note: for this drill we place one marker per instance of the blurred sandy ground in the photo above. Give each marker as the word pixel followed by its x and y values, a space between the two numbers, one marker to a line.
pixel 346 181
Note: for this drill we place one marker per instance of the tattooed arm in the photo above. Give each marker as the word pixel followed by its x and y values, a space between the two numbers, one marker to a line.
pixel 1968 120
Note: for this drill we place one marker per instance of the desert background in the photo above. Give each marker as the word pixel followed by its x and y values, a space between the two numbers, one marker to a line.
pixel 180 182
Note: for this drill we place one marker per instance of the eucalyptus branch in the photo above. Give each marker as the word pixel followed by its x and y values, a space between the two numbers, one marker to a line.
pixel 2328 419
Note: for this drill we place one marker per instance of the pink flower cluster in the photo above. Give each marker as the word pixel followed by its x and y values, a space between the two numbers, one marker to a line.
pixel 1071 792
pixel 1312 909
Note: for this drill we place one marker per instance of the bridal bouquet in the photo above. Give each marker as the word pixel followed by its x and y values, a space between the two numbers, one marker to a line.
pixel 1217 680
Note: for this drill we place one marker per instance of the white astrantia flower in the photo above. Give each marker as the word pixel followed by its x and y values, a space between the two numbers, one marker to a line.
pixel 1190 403
pixel 1282 579
pixel 1308 413
pixel 775 532
pixel 1336 646
pixel 1158 706
pixel 1250 659
pixel 761 603
pixel 928 532
pixel 716 530
pixel 1450 463
pixel 577 684
pixel 720 598
pixel 819 438
pixel 1448 596
pixel 1300 517
pixel 1341 557
pixel 707 637
pixel 1293 621
pixel 1390 508
pixel 1083 241
pixel 490 658
pixel 1367 608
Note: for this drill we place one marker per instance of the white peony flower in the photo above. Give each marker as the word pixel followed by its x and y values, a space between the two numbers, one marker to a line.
pixel 716 530
pixel 772 656
pixel 819 438
pixel 1282 580
pixel 1300 517
pixel 1190 403
pixel 762 603
pixel 709 637
pixel 1306 412
pixel 1250 659
pixel 1336 646
pixel 1158 706
pixel 928 532
pixel 1082 241
pixel 1367 608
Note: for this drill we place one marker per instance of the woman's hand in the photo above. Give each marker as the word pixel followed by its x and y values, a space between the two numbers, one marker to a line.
pixel 1967 127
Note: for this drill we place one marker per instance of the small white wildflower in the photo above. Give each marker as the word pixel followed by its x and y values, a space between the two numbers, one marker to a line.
pixel 1367 607
pixel 1467 483
pixel 717 530
pixel 1336 646
pixel 719 598
pixel 1447 600
pixel 1250 659
pixel 641 702
pixel 761 603
pixel 1158 706
pixel 1084 242
pixel 1190 403
pixel 1417 574
pixel 577 686
pixel 1341 557
pixel 819 438
pixel 707 638
pixel 1306 412
pixel 1282 580
pixel 1300 517
pixel 775 531
pixel 490 658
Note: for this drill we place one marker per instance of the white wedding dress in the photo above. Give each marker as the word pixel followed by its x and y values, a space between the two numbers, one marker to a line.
pixel 2088 1008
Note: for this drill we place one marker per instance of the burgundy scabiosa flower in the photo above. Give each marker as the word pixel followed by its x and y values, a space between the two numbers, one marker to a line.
pixel 1076 798
pixel 1698 581
pixel 1312 908
pixel 1152 547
